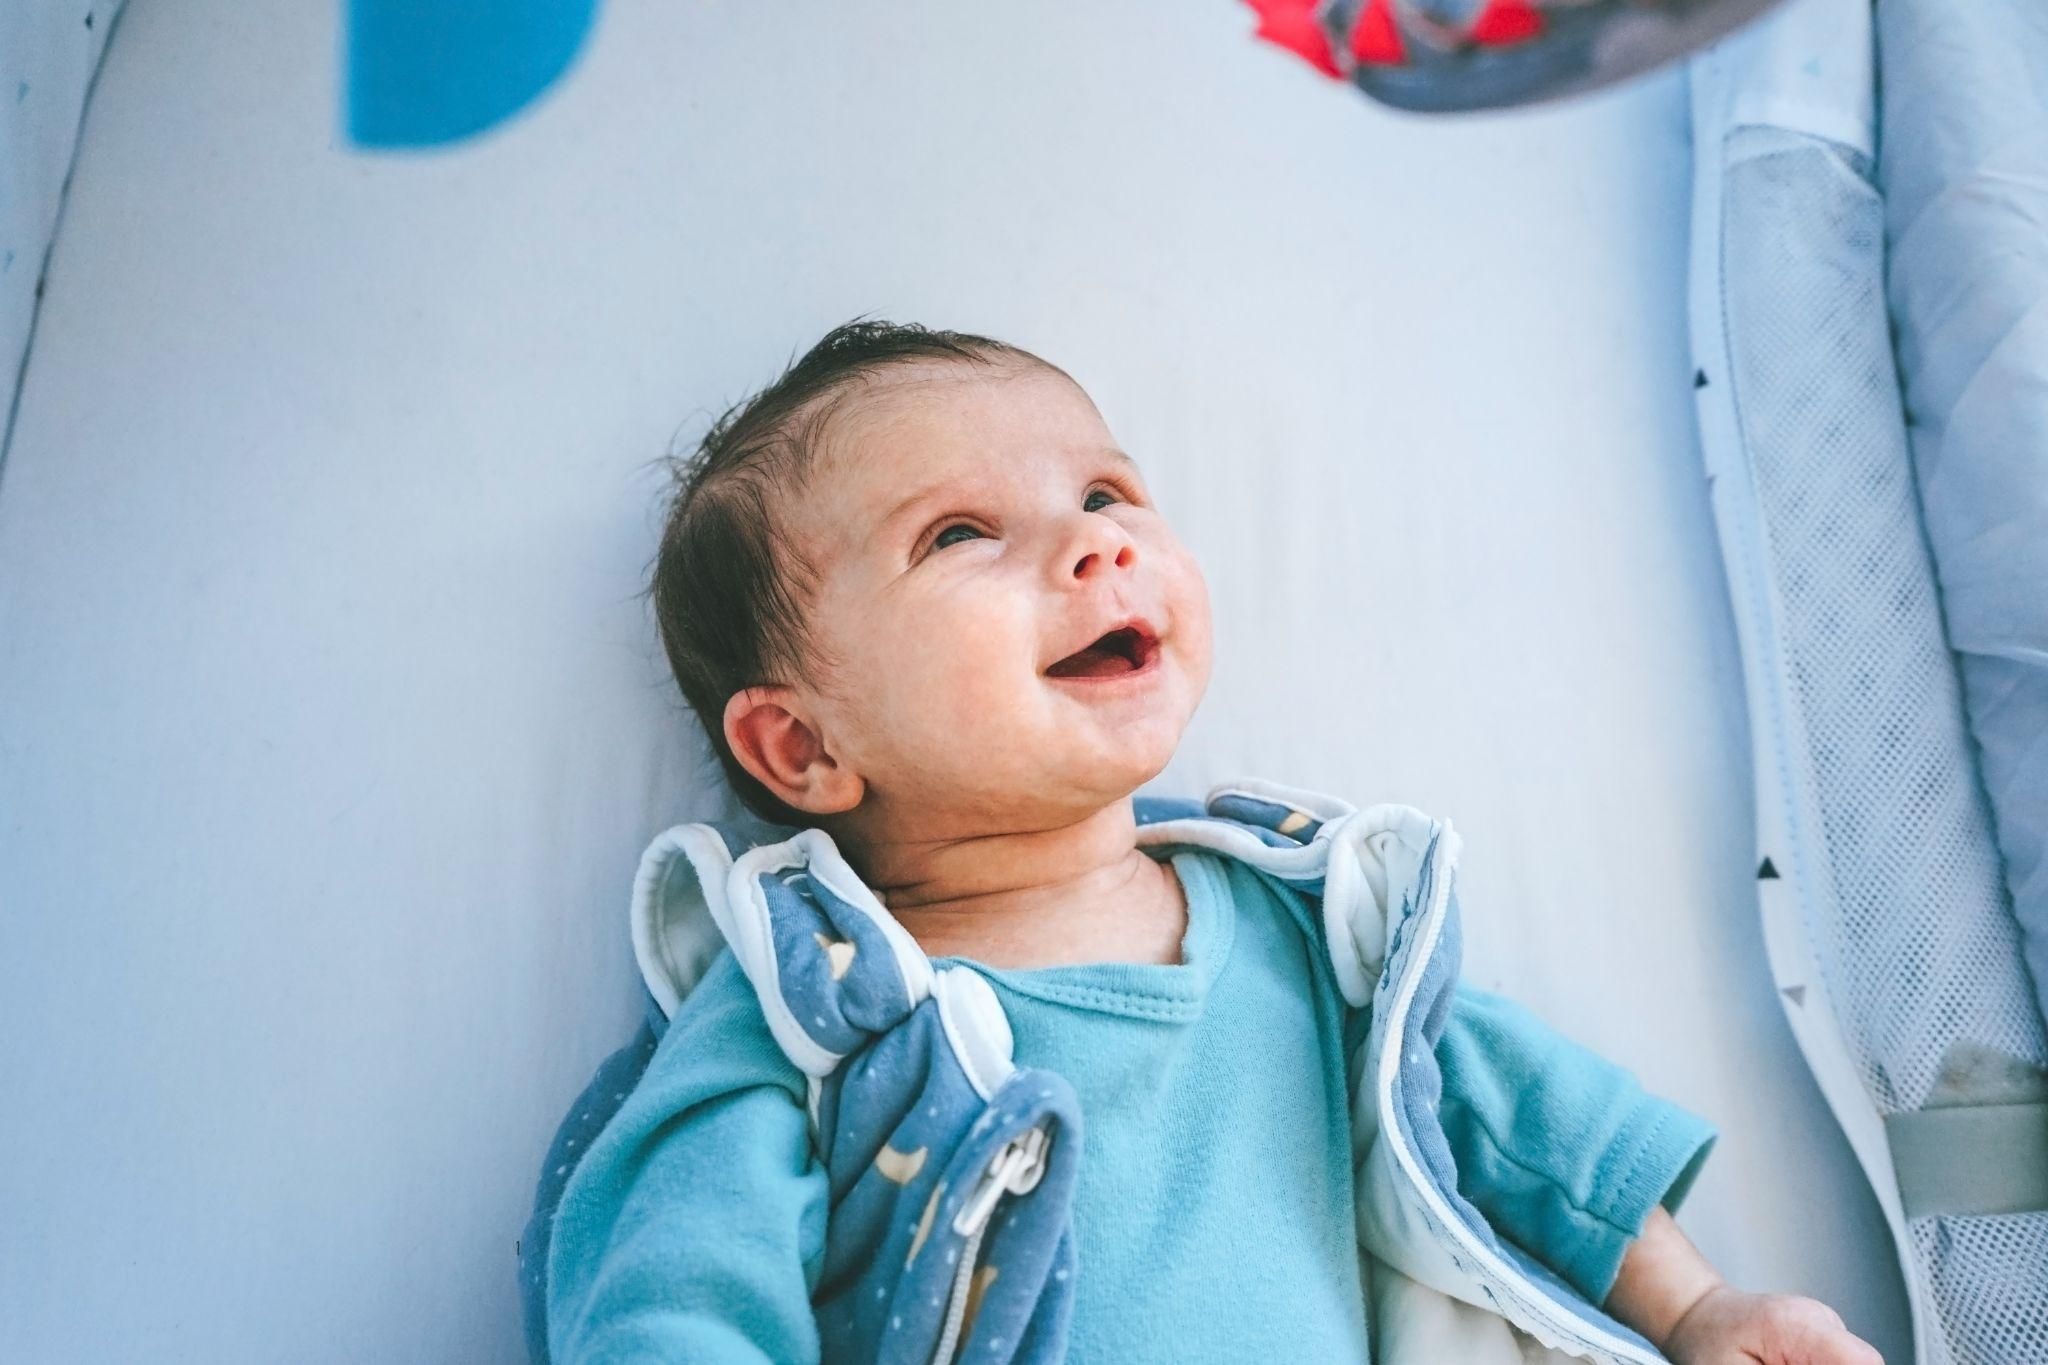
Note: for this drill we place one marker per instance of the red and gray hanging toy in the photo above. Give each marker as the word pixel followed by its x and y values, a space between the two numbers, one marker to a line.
pixel 431 73
pixel 1443 56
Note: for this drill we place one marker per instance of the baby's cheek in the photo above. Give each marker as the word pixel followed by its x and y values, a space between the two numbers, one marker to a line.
pixel 929 677
pixel 974 693
pixel 1191 622
pixel 957 679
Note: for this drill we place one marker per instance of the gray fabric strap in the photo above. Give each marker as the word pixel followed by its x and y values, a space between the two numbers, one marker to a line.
pixel 1971 1159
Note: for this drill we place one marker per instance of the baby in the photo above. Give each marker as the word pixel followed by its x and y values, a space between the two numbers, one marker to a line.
pixel 1099 1076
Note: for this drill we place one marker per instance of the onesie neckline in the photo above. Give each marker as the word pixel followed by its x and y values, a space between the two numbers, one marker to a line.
pixel 1147 990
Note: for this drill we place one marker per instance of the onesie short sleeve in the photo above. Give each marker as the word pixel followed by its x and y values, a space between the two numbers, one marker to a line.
pixel 1561 1150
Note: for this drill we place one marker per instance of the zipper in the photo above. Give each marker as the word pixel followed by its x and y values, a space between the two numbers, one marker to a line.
pixel 1018 1166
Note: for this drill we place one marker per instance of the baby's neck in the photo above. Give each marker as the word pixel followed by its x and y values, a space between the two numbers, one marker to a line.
pixel 1079 892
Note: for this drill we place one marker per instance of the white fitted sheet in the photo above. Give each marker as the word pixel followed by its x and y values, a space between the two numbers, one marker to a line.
pixel 331 726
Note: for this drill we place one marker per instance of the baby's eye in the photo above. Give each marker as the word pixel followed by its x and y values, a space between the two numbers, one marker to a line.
pixel 1088 503
pixel 939 541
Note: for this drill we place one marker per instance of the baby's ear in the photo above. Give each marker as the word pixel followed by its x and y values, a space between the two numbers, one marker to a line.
pixel 774 737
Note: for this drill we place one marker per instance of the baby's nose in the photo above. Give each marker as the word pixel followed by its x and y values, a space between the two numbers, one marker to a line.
pixel 1099 560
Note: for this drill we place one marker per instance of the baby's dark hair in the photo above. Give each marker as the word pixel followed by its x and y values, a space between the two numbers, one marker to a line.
pixel 730 584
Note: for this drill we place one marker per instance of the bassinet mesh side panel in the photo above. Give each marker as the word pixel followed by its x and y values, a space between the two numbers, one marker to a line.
pixel 1906 910
pixel 1987 1275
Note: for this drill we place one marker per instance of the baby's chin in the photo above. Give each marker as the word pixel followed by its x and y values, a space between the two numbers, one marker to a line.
pixel 1005 796
pixel 1118 759
pixel 1058 767
pixel 1102 778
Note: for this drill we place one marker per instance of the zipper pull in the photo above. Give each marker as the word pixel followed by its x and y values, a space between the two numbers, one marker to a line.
pixel 1018 1166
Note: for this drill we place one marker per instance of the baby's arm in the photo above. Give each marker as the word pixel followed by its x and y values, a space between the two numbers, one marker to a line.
pixel 1673 1295
pixel 694 1228
pixel 1564 1152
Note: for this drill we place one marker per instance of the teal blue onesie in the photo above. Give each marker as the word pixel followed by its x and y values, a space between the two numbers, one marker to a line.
pixel 1214 1212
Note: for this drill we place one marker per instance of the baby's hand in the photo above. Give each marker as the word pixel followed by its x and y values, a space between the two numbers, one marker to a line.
pixel 1729 1327
pixel 1673 1295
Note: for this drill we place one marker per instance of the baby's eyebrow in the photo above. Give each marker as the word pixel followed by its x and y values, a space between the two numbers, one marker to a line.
pixel 934 490
pixel 916 499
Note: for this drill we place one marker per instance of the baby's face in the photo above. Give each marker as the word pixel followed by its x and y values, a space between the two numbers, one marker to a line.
pixel 976 531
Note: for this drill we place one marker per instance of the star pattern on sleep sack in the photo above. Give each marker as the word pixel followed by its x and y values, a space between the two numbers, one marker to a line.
pixel 924 1224
pixel 839 953
pixel 900 1167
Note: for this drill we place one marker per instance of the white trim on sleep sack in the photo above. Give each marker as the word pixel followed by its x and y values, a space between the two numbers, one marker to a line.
pixel 674 949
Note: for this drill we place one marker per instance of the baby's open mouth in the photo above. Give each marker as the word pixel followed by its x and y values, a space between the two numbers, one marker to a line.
pixel 1125 650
